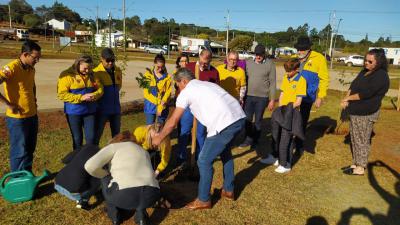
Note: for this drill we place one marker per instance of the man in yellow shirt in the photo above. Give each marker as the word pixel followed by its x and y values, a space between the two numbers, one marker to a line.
pixel 233 78
pixel 18 77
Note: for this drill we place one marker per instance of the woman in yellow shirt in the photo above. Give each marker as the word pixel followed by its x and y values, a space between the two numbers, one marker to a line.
pixel 79 90
pixel 143 136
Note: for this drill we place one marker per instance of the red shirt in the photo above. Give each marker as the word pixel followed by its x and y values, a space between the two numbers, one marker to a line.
pixel 210 75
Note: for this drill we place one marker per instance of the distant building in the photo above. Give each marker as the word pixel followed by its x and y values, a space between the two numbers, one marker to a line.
pixel 392 54
pixel 60 25
pixel 285 51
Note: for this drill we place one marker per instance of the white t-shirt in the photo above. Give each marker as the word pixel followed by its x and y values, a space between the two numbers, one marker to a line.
pixel 211 105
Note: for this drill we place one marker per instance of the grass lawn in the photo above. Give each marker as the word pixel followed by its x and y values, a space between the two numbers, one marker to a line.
pixel 314 192
pixel 394 83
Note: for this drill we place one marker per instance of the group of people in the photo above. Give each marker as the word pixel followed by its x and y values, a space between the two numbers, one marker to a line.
pixel 216 104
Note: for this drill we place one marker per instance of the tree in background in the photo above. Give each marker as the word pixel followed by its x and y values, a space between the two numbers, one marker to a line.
pixel 241 42
pixel 19 8
pixel 32 20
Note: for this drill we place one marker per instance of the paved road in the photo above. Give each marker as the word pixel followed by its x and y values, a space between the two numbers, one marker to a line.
pixel 47 71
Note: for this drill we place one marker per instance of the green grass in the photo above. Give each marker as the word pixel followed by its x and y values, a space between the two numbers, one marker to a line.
pixel 315 188
pixel 394 83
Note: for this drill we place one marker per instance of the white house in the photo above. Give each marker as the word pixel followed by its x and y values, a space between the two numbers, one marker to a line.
pixel 392 54
pixel 102 40
pixel 285 51
pixel 59 25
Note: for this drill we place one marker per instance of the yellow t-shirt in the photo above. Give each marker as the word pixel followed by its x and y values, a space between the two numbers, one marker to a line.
pixel 140 134
pixel 232 81
pixel 292 88
pixel 19 88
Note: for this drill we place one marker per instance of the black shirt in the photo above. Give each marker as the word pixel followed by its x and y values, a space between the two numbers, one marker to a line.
pixel 371 88
pixel 73 176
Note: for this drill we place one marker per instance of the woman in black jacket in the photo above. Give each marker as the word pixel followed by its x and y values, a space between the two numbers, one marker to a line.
pixel 363 101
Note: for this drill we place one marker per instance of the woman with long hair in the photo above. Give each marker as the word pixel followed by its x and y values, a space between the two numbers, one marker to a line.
pixel 143 137
pixel 363 101
pixel 80 90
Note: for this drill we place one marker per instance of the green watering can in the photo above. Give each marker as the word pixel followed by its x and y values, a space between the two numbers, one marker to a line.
pixel 20 186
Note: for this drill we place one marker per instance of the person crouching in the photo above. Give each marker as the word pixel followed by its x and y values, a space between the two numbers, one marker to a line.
pixel 127 178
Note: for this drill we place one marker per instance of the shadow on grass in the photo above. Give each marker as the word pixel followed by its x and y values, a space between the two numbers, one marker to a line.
pixel 46 189
pixel 393 215
pixel 316 129
pixel 246 176
pixel 317 220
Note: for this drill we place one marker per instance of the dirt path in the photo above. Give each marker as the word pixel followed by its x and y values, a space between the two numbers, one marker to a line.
pixel 47 71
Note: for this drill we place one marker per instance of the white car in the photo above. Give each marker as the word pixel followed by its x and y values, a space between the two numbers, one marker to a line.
pixel 156 50
pixel 245 55
pixel 354 60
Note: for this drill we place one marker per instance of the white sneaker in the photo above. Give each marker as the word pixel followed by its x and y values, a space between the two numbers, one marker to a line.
pixel 281 169
pixel 276 163
pixel 270 160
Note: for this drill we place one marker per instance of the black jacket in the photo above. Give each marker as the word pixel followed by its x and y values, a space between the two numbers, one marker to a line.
pixel 288 118
pixel 73 176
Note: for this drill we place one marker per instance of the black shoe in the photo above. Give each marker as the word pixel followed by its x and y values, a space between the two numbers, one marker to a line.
pixel 141 218
pixel 246 143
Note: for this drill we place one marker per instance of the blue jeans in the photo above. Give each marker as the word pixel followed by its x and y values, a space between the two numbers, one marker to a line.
pixel 218 145
pixel 23 136
pixel 254 106
pixel 85 195
pixel 78 123
pixel 101 120
pixel 151 118
pixel 185 124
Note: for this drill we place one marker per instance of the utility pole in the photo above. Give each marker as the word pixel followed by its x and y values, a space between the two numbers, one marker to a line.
pixel 327 35
pixel 9 14
pixel 109 29
pixel 334 42
pixel 169 38
pixel 124 24
pixel 227 34
pixel 333 24
pixel 97 19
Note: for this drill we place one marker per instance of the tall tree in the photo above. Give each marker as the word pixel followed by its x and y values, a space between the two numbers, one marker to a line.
pixel 19 8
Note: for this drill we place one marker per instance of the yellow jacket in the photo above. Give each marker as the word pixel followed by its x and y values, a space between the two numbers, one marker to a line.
pixel 159 91
pixel 140 134
pixel 315 72
pixel 72 86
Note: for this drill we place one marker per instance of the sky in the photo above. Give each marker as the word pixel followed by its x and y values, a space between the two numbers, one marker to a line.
pixel 358 17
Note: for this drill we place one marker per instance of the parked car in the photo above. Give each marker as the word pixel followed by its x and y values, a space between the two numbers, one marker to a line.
pixel 156 50
pixel 143 47
pixel 354 60
pixel 341 59
pixel 245 55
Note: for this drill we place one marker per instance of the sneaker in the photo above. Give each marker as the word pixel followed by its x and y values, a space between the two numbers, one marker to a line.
pixel 82 204
pixel 282 169
pixel 276 163
pixel 270 160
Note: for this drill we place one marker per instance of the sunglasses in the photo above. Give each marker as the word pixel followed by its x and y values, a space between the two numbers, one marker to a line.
pixel 110 60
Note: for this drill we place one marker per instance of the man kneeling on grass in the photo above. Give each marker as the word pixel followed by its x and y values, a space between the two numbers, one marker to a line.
pixel 224 118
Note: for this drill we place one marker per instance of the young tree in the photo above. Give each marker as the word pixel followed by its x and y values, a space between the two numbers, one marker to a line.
pixel 32 20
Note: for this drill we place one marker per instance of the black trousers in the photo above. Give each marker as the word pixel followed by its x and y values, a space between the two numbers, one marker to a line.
pixel 282 144
pixel 305 109
pixel 138 198
pixel 254 107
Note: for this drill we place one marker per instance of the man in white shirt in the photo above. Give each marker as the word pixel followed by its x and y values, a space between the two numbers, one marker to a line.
pixel 224 118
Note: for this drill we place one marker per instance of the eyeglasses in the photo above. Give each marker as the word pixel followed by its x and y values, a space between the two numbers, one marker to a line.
pixel 110 60
pixel 36 58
